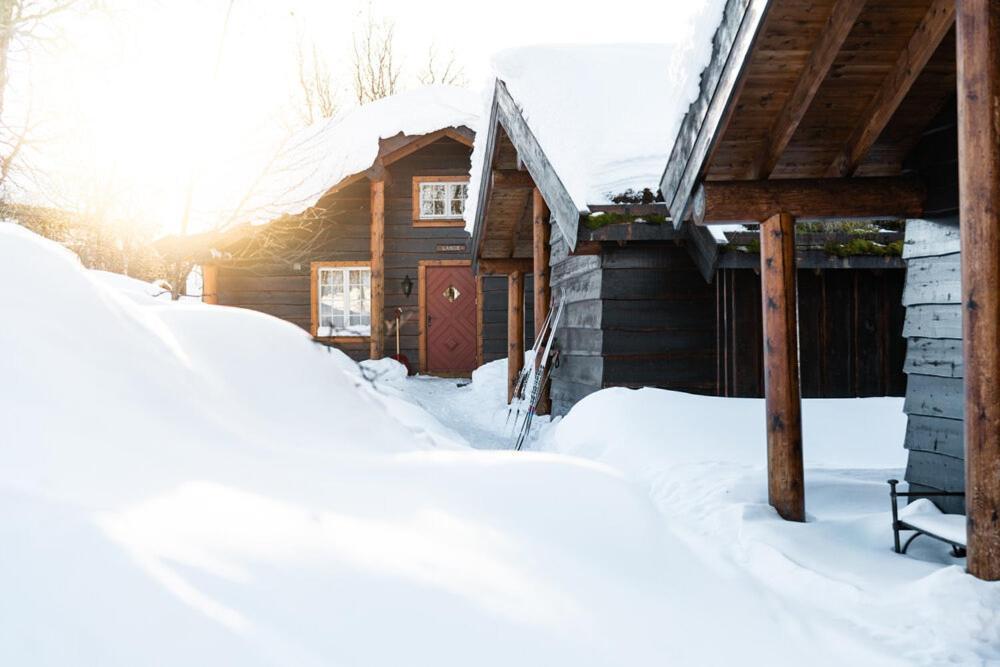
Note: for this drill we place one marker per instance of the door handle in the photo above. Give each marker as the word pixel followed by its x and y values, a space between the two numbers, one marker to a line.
pixel 429 320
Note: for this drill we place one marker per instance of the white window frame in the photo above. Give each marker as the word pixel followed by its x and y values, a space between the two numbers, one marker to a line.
pixel 447 215
pixel 350 330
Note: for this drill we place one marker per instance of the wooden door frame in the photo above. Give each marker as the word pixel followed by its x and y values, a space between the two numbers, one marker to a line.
pixel 422 302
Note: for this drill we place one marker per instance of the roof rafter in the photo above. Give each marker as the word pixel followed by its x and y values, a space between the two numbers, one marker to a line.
pixel 838 26
pixel 938 20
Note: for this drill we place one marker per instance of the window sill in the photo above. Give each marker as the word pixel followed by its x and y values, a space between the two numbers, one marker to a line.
pixel 439 222
pixel 342 339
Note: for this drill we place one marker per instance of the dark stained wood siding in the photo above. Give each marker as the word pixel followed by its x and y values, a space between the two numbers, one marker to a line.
pixel 642 315
pixel 406 245
pixel 850 333
pixel 282 290
pixel 577 281
pixel 495 317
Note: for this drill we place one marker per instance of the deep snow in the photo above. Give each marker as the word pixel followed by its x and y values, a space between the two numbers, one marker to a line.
pixel 833 580
pixel 190 484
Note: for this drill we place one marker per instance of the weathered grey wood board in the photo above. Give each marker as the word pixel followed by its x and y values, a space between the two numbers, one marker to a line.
pixel 935 396
pixel 933 280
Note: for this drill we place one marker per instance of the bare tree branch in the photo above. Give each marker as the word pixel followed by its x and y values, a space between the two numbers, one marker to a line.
pixel 376 72
pixel 445 70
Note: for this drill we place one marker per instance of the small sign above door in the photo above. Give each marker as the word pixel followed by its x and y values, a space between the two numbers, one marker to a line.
pixel 451 247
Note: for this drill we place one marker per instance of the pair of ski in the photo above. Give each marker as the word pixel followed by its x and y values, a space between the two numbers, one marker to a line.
pixel 540 376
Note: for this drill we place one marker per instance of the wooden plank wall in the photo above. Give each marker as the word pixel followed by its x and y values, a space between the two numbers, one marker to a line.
pixel 934 401
pixel 405 244
pixel 636 315
pixel 495 317
pixel 281 289
pixel 658 319
pixel 850 326
pixel 576 280
pixel 934 397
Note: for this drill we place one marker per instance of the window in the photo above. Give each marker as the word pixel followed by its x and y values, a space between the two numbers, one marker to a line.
pixel 439 200
pixel 343 304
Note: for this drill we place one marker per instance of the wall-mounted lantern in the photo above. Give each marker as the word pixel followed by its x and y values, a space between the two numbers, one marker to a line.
pixel 407 286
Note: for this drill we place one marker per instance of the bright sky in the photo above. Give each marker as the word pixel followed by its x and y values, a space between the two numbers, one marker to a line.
pixel 133 109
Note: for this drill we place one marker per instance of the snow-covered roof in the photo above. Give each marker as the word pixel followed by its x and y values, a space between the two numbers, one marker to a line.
pixel 606 116
pixel 322 155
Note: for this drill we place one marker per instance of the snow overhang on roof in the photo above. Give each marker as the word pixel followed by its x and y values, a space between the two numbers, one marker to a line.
pixel 323 155
pixel 603 117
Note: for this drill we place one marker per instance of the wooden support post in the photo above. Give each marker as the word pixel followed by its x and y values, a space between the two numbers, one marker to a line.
pixel 377 342
pixel 540 254
pixel 978 26
pixel 209 283
pixel 515 329
pixel 785 485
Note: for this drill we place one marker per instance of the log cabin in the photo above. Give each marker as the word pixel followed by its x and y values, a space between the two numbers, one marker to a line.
pixel 363 222
pixel 866 109
pixel 649 303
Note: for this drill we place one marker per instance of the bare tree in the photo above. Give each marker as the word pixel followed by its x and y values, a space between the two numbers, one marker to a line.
pixel 22 22
pixel 442 69
pixel 376 72
pixel 319 100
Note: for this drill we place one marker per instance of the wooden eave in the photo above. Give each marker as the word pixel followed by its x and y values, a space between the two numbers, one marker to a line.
pixel 830 89
pixel 503 216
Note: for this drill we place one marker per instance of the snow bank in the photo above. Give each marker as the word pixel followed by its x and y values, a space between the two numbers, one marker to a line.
pixel 322 155
pixel 702 462
pixel 200 485
pixel 606 116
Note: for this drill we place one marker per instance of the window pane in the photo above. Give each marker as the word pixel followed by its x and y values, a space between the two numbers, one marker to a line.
pixel 438 207
pixel 457 207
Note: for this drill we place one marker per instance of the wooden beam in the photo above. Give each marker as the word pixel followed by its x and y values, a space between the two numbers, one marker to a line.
pixel 488 267
pixel 718 202
pixel 979 186
pixel 511 179
pixel 540 255
pixel 377 342
pixel 210 283
pixel 838 27
pixel 783 405
pixel 897 83
pixel 704 250
pixel 515 330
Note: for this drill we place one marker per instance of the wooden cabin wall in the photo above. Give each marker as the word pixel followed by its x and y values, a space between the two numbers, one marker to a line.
pixel 577 280
pixel 495 317
pixel 934 398
pixel 406 245
pixel 850 333
pixel 638 315
pixel 658 319
pixel 279 288
pixel 934 364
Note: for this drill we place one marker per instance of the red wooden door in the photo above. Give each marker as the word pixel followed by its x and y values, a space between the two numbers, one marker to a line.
pixel 451 319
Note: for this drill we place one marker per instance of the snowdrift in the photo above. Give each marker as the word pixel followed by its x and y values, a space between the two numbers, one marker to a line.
pixel 702 462
pixel 188 484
